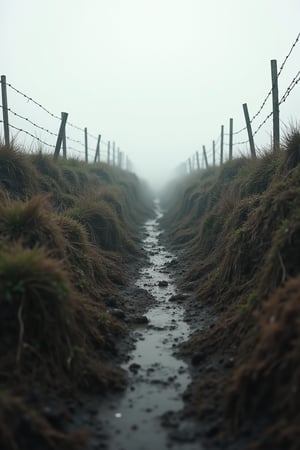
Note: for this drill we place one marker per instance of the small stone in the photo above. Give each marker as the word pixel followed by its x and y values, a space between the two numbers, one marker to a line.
pixel 163 283
pixel 140 319
pixel 134 367
pixel 197 358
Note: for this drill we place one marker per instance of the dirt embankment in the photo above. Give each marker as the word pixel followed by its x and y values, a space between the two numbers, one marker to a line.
pixel 67 233
pixel 239 229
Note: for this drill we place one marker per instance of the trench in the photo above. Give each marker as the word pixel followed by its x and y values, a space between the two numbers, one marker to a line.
pixel 157 378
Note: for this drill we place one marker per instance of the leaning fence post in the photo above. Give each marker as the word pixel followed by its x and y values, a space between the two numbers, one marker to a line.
pixel 276 130
pixel 230 138
pixel 61 132
pixel 222 145
pixel 214 154
pixel 205 156
pixel 64 142
pixel 114 153
pixel 86 145
pixel 249 130
pixel 197 159
pixel 108 152
pixel 5 109
pixel 97 153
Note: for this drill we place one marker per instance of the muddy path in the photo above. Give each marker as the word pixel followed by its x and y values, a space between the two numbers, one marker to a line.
pixel 157 378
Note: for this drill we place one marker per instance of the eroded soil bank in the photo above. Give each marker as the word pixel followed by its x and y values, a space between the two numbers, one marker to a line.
pixel 237 228
pixel 156 378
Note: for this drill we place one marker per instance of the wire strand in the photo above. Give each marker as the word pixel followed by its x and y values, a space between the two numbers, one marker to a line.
pixel 32 135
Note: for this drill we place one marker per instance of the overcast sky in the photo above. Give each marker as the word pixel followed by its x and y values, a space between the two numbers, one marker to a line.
pixel 159 77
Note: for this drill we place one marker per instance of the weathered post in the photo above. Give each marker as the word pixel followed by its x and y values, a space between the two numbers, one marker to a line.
pixel 197 159
pixel 205 156
pixel 214 154
pixel 222 145
pixel 249 130
pixel 119 157
pixel 64 142
pixel 61 132
pixel 276 129
pixel 86 145
pixel 97 153
pixel 230 139
pixel 5 109
pixel 190 165
pixel 108 152
pixel 114 153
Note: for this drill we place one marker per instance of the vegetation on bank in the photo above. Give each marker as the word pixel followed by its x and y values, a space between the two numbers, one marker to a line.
pixel 239 226
pixel 67 229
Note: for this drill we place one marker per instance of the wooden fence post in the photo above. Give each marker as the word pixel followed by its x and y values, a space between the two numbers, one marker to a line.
pixel 230 138
pixel 205 156
pixel 214 154
pixel 108 152
pixel 197 159
pixel 5 109
pixel 276 128
pixel 114 153
pixel 86 146
pixel 119 157
pixel 97 153
pixel 190 165
pixel 61 132
pixel 249 130
pixel 222 145
pixel 64 142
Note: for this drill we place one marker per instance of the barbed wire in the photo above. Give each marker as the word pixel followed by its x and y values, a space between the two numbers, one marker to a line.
pixel 30 121
pixel 270 91
pixel 70 124
pixel 32 135
pixel 92 136
pixel 46 110
pixel 240 143
pixel 291 86
pixel 75 126
pixel 288 55
pixel 75 141
pixel 263 123
pixel 33 101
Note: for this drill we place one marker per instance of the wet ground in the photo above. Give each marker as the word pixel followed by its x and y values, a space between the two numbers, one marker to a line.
pixel 157 379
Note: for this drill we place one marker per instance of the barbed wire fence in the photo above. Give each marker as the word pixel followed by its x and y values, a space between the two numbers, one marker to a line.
pixel 216 152
pixel 74 141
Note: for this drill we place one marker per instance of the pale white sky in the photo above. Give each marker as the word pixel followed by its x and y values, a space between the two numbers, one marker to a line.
pixel 159 77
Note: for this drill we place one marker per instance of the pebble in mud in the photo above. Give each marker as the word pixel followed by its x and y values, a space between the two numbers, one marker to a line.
pixel 163 283
pixel 134 367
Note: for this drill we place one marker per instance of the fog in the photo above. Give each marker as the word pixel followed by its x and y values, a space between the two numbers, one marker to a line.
pixel 158 77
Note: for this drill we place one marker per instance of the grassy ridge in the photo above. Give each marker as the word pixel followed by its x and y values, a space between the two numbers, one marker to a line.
pixel 66 231
pixel 240 228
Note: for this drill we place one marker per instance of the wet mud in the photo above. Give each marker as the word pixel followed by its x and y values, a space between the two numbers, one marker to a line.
pixel 157 377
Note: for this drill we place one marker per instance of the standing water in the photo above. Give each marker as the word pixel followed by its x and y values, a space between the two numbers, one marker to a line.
pixel 157 379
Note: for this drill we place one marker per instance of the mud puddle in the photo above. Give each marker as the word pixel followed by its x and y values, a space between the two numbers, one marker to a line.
pixel 157 379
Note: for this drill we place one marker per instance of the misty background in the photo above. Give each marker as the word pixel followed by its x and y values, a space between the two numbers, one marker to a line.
pixel 158 77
